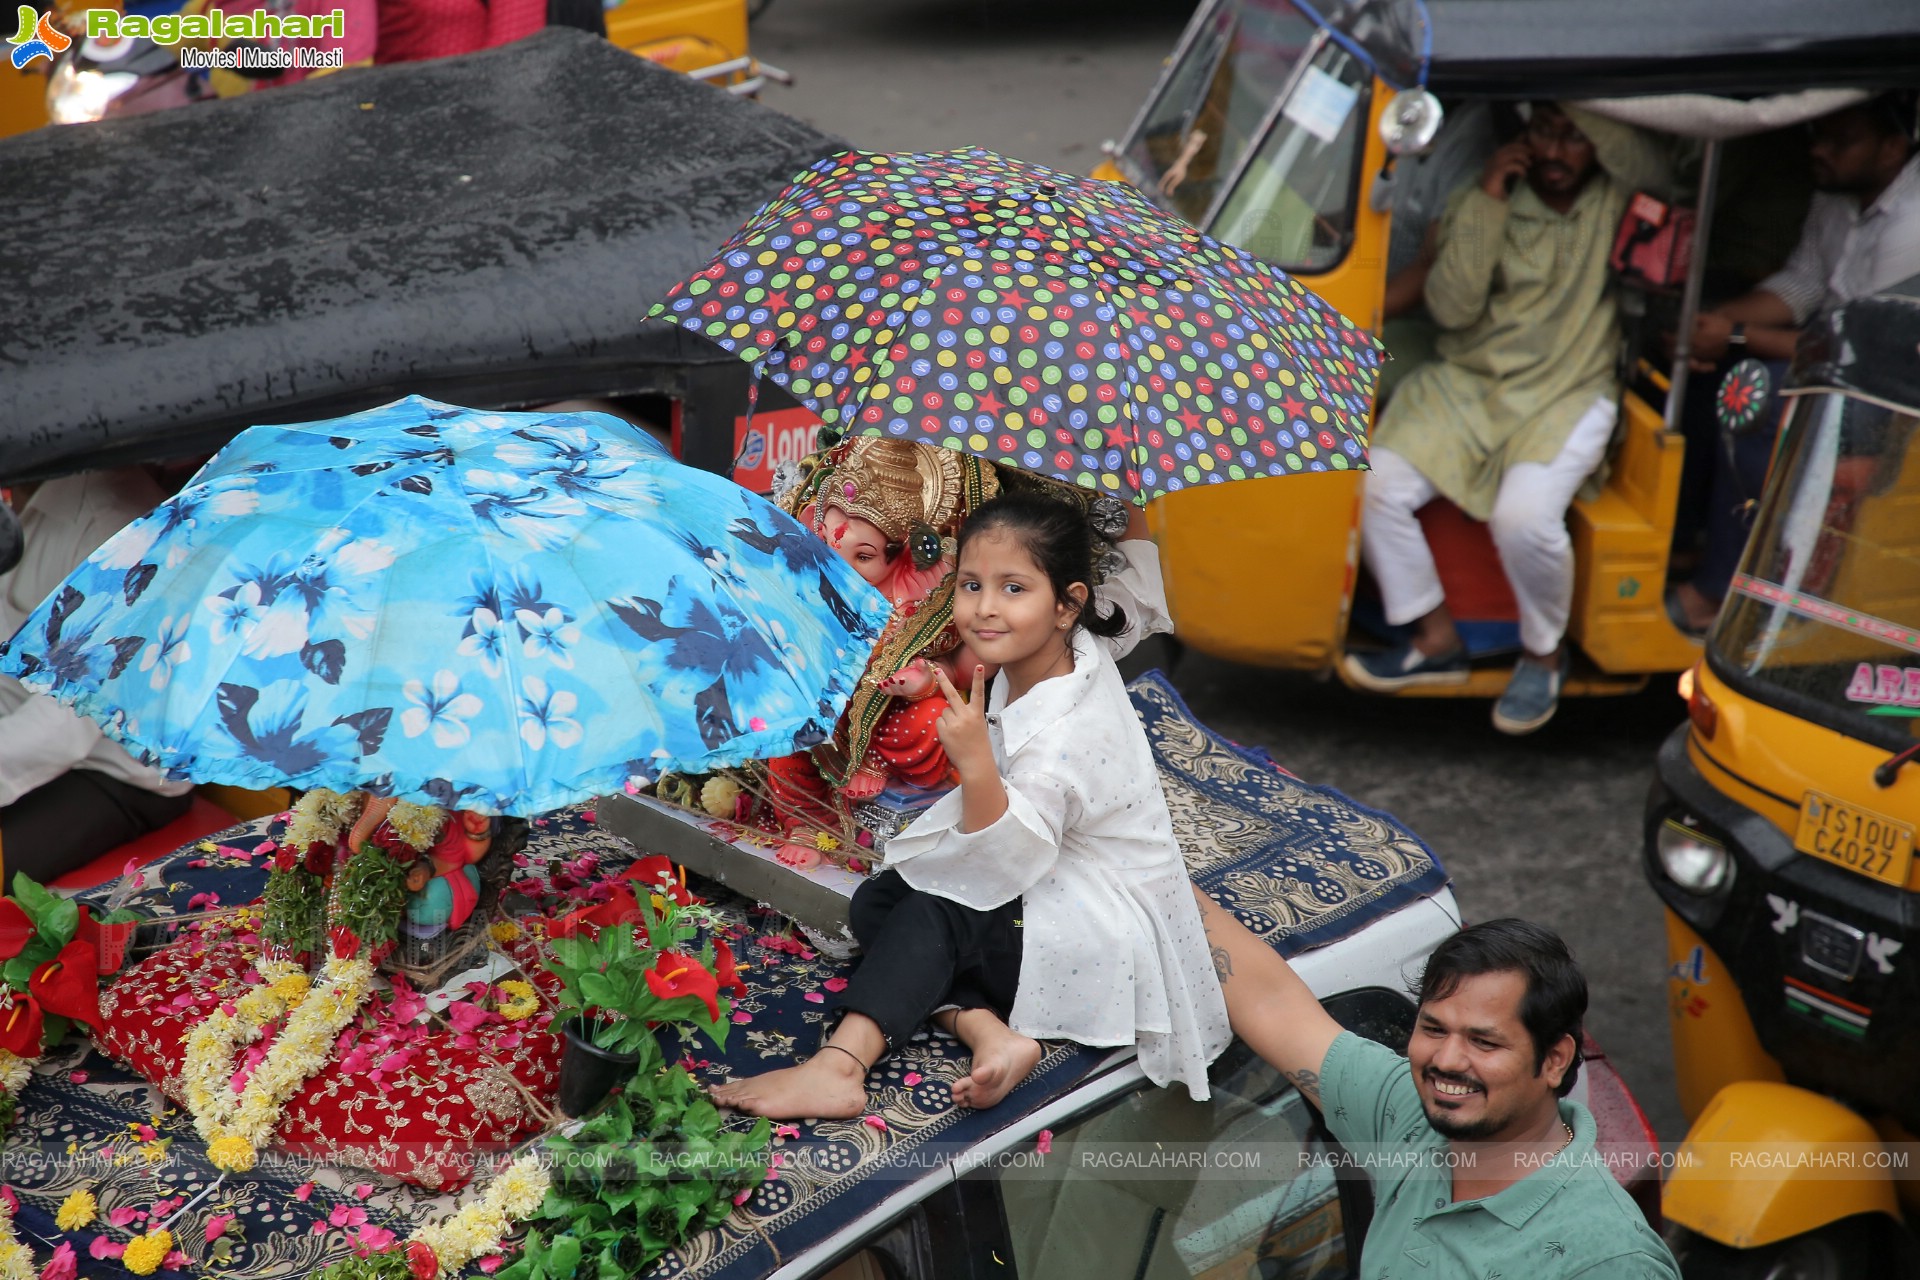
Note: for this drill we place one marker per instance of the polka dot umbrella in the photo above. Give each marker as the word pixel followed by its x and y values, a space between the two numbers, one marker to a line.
pixel 1053 323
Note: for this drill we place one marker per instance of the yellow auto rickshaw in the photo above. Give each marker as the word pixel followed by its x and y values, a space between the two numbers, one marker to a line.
pixel 1285 131
pixel 1780 837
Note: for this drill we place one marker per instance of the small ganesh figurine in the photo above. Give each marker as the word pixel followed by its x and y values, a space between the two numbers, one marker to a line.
pixel 890 509
pixel 444 886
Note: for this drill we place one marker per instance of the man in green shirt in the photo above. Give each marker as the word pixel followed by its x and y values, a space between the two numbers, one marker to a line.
pixel 1511 1185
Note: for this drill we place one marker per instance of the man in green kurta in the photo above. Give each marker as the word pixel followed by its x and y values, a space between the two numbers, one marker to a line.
pixel 1481 1164
pixel 1516 413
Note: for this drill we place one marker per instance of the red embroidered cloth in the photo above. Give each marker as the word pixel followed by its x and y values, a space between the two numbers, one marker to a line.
pixel 420 1107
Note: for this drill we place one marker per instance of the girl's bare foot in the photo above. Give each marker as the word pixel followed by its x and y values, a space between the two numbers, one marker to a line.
pixel 828 1086
pixel 1002 1057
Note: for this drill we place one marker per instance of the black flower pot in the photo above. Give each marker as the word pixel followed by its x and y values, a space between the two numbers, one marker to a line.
pixel 589 1073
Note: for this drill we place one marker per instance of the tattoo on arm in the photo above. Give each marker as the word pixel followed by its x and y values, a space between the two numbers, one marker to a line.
pixel 1307 1082
pixel 1222 964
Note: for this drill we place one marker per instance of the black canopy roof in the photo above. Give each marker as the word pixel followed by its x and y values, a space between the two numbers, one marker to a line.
pixel 487 230
pixel 1619 48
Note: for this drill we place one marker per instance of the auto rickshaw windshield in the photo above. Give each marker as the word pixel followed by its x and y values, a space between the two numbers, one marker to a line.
pixel 1231 65
pixel 1824 616
pixel 1293 203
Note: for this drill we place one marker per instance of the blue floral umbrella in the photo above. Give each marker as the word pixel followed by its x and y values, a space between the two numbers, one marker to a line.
pixel 502 611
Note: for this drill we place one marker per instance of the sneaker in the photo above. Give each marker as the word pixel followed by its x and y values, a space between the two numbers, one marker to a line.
pixel 1532 696
pixel 1404 668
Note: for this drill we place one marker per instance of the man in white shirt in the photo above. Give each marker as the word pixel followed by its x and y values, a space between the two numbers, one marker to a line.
pixel 1862 235
pixel 67 792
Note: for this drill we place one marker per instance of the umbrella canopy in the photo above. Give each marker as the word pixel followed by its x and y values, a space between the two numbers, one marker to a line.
pixel 505 612
pixel 1052 323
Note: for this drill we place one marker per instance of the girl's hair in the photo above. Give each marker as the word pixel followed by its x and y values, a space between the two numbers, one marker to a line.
pixel 1056 534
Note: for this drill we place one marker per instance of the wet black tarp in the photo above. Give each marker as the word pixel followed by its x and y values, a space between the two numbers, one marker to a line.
pixel 487 230
pixel 1619 48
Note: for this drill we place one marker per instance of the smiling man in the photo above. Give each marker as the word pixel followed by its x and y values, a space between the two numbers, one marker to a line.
pixel 1481 1166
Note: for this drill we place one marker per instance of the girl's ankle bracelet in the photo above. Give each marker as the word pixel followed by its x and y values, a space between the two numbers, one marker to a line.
pixel 864 1067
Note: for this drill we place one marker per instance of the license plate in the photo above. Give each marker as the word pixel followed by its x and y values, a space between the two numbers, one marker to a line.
pixel 1858 839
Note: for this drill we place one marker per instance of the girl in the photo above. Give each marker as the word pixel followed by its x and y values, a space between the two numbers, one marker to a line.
pixel 1046 890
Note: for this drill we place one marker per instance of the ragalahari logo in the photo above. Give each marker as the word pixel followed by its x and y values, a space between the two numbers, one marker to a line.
pixel 37 38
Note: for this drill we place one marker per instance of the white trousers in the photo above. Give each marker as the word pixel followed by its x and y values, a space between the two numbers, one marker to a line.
pixel 1529 526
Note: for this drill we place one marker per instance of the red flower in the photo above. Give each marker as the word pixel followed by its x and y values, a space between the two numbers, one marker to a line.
pixel 346 944
pixel 285 857
pixel 421 1260
pixel 726 973
pixel 621 908
pixel 69 984
pixel 16 929
pixel 88 930
pixel 655 868
pixel 674 975
pixel 20 1026
pixel 319 857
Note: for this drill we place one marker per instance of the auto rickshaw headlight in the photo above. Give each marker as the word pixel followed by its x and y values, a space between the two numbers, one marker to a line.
pixel 1693 860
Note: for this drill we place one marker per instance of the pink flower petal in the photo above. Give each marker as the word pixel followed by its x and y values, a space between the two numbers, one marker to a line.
pixel 122 1215
pixel 741 1015
pixel 375 1239
pixel 175 1261
pixel 835 984
pixel 217 1226
pixel 264 848
pixel 197 863
pixel 62 1265
pixel 361 1190
pixel 589 815
pixel 757 724
pixel 814 997
pixel 786 1131
pixel 492 1263
pixel 78 1077
pixel 741 1196
pixel 13 1201
pixel 1044 1143
pixel 874 1122
pixel 303 1192
pixel 105 1248
pixel 320 1227
pixel 911 1079
pixel 146 1133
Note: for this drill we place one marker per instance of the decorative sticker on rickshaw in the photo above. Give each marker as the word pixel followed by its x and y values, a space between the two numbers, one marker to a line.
pixel 1892 690
pixel 1828 612
pixel 1743 395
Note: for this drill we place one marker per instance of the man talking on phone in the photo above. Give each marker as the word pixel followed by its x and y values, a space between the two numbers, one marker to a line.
pixel 1514 417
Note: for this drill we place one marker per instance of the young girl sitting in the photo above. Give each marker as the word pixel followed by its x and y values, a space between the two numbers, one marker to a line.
pixel 1045 897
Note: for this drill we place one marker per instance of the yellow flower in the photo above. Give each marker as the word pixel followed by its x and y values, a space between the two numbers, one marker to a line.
pixel 292 989
pixel 76 1211
pixel 230 1152
pixel 505 931
pixel 524 1001
pixel 718 794
pixel 825 842
pixel 145 1253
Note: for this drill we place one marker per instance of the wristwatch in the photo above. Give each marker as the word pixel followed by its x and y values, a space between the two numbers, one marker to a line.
pixel 1738 338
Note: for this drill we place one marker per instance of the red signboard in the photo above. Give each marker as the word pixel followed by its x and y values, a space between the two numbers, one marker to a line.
pixel 765 440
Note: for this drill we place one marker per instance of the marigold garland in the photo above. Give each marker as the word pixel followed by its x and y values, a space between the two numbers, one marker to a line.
pixel 479 1228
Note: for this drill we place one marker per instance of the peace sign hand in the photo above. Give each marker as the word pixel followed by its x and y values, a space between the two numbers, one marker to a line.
pixel 963 727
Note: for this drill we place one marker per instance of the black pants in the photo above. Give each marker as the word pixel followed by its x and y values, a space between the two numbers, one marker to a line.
pixel 74 819
pixel 922 951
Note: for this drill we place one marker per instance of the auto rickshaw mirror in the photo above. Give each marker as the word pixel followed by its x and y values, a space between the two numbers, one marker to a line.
pixel 1411 121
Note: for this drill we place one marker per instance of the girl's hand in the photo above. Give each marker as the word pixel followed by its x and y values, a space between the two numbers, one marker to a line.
pixel 963 727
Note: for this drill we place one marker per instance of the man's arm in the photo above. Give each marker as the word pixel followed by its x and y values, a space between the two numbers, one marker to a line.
pixel 1267 1003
